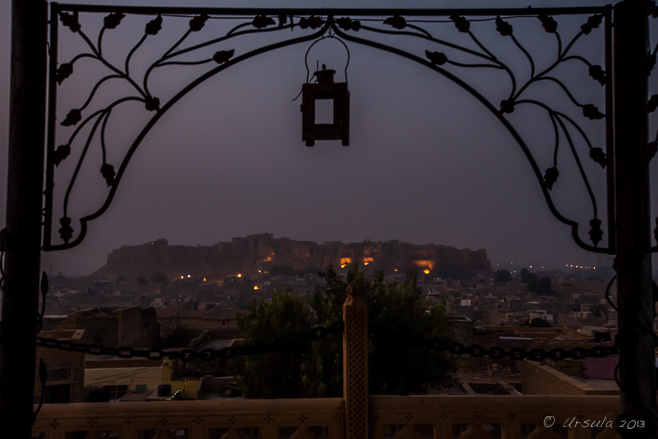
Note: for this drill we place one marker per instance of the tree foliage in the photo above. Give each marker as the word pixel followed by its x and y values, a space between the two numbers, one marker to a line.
pixel 396 367
pixel 502 276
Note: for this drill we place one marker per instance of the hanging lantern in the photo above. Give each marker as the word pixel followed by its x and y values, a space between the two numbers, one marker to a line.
pixel 325 109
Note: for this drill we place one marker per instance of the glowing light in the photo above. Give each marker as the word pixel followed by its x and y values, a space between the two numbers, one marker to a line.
pixel 182 277
pixel 531 266
pixel 239 274
pixel 426 271
pixel 424 263
pixel 396 269
pixel 343 265
pixel 189 275
pixel 345 261
pixel 256 287
pixel 204 279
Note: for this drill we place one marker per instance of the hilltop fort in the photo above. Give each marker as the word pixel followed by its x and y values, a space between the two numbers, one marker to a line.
pixel 265 254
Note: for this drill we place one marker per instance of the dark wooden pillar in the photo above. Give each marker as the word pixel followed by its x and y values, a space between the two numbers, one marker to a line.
pixel 635 294
pixel 23 223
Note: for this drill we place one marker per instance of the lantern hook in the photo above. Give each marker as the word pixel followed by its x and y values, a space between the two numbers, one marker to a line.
pixel 334 37
pixel 308 72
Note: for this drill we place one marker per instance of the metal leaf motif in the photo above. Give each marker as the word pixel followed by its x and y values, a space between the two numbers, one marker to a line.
pixel 598 74
pixel 197 23
pixel 61 153
pixel 65 231
pixel 503 27
pixel 593 22
pixel 283 19
pixel 44 283
pixel 223 56
pixel 438 58
pixel 107 171
pixel 262 21
pixel 598 156
pixel 396 21
pixel 154 26
pixel 549 24
pixel 87 123
pixel 70 21
pixel 463 25
pixel 72 118
pixel 591 112
pixel 348 24
pixel 507 106
pixel 152 104
pixel 63 71
pixel 550 177
pixel 113 20
pixel 312 22
pixel 595 232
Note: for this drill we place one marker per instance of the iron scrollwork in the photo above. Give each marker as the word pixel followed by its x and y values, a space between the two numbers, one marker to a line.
pixel 452 43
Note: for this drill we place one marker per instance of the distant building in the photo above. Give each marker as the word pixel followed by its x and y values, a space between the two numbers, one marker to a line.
pixel 114 327
pixel 65 369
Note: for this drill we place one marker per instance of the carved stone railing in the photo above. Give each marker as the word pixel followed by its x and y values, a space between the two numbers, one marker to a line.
pixel 485 417
pixel 225 419
pixel 391 417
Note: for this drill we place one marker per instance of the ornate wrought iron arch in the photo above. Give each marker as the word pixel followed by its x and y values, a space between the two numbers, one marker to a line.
pixel 349 25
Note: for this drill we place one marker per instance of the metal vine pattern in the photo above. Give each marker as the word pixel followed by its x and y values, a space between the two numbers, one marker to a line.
pixel 453 43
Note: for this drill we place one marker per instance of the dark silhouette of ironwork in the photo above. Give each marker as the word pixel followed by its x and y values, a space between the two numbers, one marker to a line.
pixel 623 156
pixel 86 124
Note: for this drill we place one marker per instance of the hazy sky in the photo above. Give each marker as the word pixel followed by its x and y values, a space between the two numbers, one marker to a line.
pixel 426 163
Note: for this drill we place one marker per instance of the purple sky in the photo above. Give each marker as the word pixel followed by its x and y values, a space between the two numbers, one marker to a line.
pixel 425 164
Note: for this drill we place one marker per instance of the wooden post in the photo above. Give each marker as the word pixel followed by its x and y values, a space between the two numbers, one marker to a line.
pixel 355 362
pixel 20 302
pixel 632 214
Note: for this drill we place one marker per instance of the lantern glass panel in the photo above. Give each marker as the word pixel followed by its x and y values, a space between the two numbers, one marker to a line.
pixel 324 111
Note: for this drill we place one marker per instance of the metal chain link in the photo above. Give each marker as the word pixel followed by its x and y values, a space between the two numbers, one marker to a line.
pixel 319 333
pixel 496 352
pixel 187 355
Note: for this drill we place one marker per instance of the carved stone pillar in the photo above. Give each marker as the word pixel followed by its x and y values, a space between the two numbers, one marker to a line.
pixel 355 362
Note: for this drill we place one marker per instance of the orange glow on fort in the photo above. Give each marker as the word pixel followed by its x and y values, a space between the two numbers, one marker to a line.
pixel 424 263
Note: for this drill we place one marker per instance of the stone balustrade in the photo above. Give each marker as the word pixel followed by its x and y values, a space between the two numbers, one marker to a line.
pixel 219 419
pixel 391 417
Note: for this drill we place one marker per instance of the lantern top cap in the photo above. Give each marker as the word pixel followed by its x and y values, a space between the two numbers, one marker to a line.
pixel 325 76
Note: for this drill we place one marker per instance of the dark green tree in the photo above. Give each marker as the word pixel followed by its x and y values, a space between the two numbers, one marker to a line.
pixel 525 275
pixel 277 374
pixel 502 276
pixel 533 283
pixel 396 367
